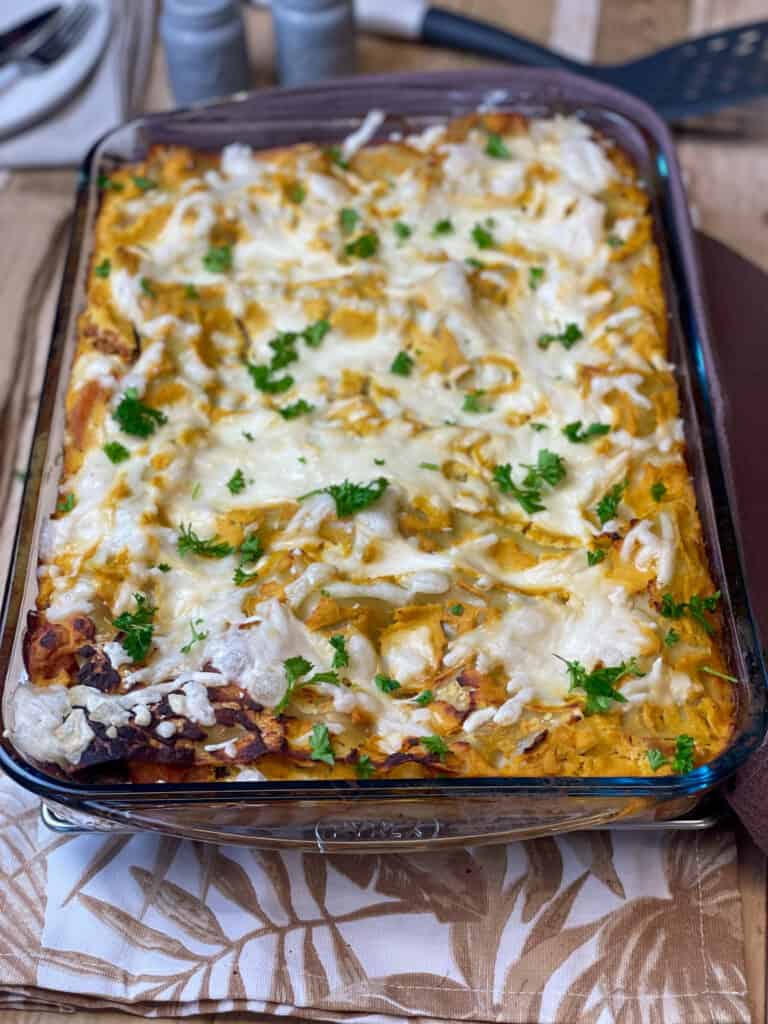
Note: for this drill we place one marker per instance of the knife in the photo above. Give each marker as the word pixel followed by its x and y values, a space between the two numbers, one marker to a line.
pixel 21 34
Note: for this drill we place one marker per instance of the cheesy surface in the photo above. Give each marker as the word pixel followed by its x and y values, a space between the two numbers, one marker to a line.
pixel 374 468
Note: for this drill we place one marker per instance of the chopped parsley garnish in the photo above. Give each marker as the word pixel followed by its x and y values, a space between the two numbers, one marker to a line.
pixel 340 656
pixel 496 147
pixel 379 462
pixel 595 557
pixel 598 685
pixel 218 259
pixel 656 759
pixel 197 490
pixel 696 606
pixel 549 467
pixel 683 760
pixel 386 684
pixel 658 490
pixel 402 230
pixel 191 292
pixel 251 549
pixel 614 241
pixel 163 567
pixel 364 767
pixel 538 427
pixel 299 408
pixel 284 347
pixel 456 609
pixel 351 498
pixel 297 193
pixel 335 156
pixel 137 418
pixel 472 402
pixel 482 237
pixel 608 505
pixel 348 219
pixel 106 184
pixel 143 184
pixel 443 227
pixel 429 465
pixel 262 379
pixel 364 246
pixel 574 432
pixel 435 745
pixel 66 504
pixel 146 287
pixel 720 675
pixel 236 482
pixel 197 636
pixel 424 698
pixel 535 277
pixel 295 668
pixel 136 628
pixel 402 364
pixel 529 498
pixel 240 576
pixel 188 542
pixel 672 637
pixel 474 263
pixel 567 338
pixel 320 742
pixel 248 436
pixel 103 269
pixel 116 452
pixel 314 333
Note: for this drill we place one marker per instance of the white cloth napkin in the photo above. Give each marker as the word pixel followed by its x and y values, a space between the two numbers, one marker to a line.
pixel 110 95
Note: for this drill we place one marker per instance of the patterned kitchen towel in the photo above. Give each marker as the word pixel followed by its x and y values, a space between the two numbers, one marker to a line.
pixel 594 927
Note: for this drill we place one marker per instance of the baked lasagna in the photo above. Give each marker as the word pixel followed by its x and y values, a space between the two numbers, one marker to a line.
pixel 374 469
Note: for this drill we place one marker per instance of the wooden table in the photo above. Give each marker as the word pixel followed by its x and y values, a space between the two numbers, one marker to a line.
pixel 728 185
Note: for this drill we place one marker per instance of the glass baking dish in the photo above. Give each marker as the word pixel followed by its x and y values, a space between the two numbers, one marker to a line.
pixel 409 814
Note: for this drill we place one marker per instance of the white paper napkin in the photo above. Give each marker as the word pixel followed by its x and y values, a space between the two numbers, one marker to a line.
pixel 110 95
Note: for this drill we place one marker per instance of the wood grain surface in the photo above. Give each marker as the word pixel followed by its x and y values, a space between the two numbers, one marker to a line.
pixel 728 184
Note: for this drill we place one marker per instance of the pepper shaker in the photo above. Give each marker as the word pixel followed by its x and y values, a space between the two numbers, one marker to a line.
pixel 315 39
pixel 205 49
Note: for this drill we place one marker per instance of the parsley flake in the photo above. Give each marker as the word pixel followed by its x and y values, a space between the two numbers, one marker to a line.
pixel 683 760
pixel 672 637
pixel 535 277
pixel 456 609
pixel 248 436
pixel 482 238
pixel 695 606
pixel 614 241
pixel 574 432
pixel 720 675
pixel 240 577
pixel 364 246
pixel 386 684
pixel 297 193
pixel 136 628
pixel 348 219
pixel 595 557
pixel 364 767
pixel 197 636
pixel 402 230
pixel 598 685
pixel 137 418
pixel 146 287
pixel 320 743
pixel 299 408
pixel 658 490
pixel 116 452
pixel 66 504
pixel 103 269
pixel 496 147
pixel 656 759
pixel 435 745
pixel 191 292
pixel 472 402
pixel 424 698
pixel 188 542
pixel 443 227
pixel 262 379
pixel 294 668
pixel 566 338
pixel 334 154
pixel 351 498
pixel 314 333
pixel 340 656
pixel 528 498
pixel 218 259
pixel 538 427
pixel 106 184
pixel 236 482
pixel 143 184
pixel 163 567
pixel 608 505
pixel 429 465
pixel 402 364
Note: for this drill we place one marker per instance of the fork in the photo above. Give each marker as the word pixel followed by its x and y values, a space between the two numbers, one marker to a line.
pixel 66 29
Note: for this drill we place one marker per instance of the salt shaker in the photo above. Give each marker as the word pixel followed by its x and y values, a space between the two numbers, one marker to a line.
pixel 205 49
pixel 315 39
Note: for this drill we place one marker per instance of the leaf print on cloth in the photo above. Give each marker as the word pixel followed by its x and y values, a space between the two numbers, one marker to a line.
pixel 637 928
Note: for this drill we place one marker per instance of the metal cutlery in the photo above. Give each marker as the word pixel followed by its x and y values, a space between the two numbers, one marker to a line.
pixel 57 37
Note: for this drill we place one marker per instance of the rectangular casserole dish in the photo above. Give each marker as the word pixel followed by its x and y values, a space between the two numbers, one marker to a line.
pixel 380 813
